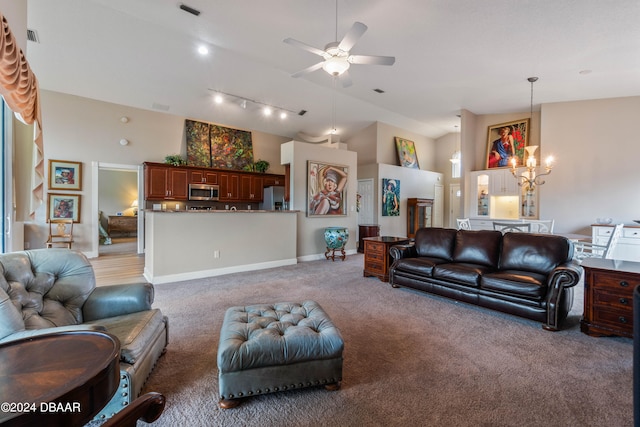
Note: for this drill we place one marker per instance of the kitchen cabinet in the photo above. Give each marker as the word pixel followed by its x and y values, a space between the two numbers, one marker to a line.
pixel 203 176
pixel 167 182
pixel 164 183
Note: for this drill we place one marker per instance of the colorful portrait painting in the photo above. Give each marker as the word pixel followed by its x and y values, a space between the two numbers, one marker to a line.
pixel 65 175
pixel 390 197
pixel 407 153
pixel 64 206
pixel 506 143
pixel 326 189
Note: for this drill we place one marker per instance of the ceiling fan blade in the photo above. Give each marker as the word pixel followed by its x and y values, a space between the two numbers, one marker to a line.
pixel 352 36
pixel 345 79
pixel 372 60
pixel 308 69
pixel 294 42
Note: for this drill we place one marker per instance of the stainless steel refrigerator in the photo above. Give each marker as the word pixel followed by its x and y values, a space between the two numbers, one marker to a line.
pixel 273 199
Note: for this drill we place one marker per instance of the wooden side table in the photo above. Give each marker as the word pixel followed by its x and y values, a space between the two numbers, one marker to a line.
pixel 376 255
pixel 366 230
pixel 76 372
pixel 608 296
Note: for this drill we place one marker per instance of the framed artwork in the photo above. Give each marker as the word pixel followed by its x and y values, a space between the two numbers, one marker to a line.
pixel 65 175
pixel 506 142
pixel 407 153
pixel 326 189
pixel 216 146
pixel 390 197
pixel 64 206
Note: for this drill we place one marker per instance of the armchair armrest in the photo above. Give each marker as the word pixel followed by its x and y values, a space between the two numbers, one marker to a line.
pixel 563 276
pixel 402 251
pixel 30 333
pixel 116 300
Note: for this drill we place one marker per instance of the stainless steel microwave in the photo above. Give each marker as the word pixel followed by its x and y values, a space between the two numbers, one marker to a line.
pixel 204 192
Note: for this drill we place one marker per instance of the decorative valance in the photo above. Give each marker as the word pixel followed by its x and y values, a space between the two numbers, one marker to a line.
pixel 19 88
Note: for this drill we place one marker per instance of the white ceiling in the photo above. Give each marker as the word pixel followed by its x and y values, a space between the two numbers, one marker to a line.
pixel 450 55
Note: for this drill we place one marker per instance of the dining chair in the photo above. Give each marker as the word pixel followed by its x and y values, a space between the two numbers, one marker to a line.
pixel 542 226
pixel 60 233
pixel 584 249
pixel 518 227
pixel 463 223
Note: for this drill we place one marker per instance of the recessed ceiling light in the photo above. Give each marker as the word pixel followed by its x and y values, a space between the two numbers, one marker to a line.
pixel 218 99
pixel 267 111
pixel 283 115
pixel 203 50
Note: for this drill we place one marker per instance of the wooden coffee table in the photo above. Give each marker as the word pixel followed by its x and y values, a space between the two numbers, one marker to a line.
pixel 61 379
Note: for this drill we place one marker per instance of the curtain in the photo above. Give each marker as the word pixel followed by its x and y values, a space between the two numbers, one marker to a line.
pixel 19 88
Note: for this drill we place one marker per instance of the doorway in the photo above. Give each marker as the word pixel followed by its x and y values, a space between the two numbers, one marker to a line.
pixel 117 190
pixel 455 197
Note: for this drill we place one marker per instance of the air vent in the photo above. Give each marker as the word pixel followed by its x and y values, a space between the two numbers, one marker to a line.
pixel 378 90
pixel 32 36
pixel 161 107
pixel 190 9
pixel 302 112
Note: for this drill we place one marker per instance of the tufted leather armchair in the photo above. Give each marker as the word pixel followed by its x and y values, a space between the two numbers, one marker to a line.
pixel 45 291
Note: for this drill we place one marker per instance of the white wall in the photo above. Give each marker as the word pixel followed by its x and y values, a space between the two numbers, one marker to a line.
pixel 311 243
pixel 597 155
pixel 387 152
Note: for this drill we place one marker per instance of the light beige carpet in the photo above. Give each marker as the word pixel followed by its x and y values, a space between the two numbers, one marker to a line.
pixel 410 359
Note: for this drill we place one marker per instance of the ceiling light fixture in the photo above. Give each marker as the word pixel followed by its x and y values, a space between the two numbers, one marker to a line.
pixel 529 179
pixel 203 50
pixel 267 109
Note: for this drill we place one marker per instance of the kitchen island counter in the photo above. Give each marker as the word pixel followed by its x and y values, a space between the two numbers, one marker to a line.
pixel 187 244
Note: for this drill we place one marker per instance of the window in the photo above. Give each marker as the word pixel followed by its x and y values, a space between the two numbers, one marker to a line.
pixel 455 164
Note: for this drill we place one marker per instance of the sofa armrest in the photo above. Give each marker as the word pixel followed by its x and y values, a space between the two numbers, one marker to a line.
pixel 564 276
pixel 30 333
pixel 116 300
pixel 402 251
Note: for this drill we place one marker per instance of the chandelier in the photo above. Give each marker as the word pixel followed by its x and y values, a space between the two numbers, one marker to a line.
pixel 529 179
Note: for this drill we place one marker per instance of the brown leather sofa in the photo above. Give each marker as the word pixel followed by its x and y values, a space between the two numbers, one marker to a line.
pixel 528 275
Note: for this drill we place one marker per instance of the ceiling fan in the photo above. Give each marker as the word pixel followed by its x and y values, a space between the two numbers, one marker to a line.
pixel 337 56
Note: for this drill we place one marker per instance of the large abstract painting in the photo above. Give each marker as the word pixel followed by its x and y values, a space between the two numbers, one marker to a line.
pixel 216 146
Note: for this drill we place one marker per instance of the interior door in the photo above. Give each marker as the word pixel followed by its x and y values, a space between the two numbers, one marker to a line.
pixel 365 195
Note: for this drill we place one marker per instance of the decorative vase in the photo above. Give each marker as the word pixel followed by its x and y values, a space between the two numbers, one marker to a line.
pixel 336 239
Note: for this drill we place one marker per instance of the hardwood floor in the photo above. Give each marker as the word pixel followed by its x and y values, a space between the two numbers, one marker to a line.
pixel 118 269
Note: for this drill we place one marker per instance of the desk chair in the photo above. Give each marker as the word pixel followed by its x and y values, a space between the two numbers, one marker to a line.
pixel 60 233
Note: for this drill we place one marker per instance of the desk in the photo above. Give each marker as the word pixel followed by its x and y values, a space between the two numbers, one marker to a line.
pixel 78 372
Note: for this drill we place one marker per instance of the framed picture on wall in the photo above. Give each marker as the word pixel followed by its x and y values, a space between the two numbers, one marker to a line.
pixel 64 206
pixel 506 142
pixel 390 197
pixel 326 189
pixel 65 175
pixel 407 153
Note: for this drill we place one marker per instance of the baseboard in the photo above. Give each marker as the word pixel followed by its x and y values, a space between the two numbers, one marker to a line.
pixel 315 257
pixel 215 272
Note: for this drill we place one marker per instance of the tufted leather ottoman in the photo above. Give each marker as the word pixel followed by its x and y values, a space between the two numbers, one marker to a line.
pixel 266 348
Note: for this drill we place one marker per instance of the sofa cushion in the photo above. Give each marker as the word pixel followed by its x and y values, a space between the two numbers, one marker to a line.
pixel 480 247
pixel 134 331
pixel 10 318
pixel 539 253
pixel 516 283
pixel 461 273
pixel 421 266
pixel 435 242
